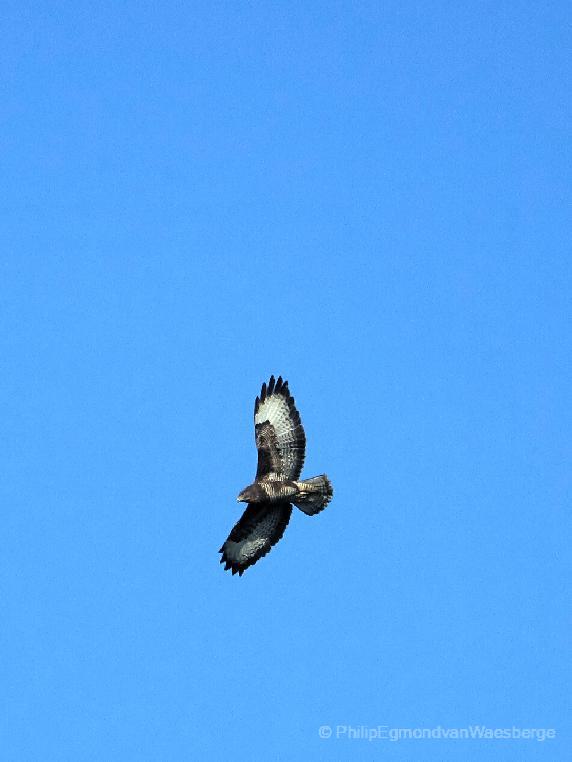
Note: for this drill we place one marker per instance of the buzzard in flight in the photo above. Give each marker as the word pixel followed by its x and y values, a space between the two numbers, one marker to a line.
pixel 281 445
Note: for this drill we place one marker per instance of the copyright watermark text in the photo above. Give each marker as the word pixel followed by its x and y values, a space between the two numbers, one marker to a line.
pixel 438 732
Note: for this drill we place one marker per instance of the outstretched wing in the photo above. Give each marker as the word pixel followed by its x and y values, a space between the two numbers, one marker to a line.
pixel 259 528
pixel 280 438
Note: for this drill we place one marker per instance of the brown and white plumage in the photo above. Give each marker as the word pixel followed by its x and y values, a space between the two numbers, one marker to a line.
pixel 281 445
pixel 280 437
pixel 259 528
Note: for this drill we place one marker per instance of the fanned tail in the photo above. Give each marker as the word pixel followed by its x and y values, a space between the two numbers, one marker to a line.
pixel 314 494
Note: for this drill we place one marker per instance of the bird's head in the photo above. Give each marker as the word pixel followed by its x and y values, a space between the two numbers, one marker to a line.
pixel 247 494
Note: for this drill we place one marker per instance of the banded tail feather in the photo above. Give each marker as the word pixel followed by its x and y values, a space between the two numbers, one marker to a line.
pixel 314 494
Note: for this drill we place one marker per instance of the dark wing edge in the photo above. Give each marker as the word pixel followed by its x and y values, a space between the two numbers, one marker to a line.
pixel 261 526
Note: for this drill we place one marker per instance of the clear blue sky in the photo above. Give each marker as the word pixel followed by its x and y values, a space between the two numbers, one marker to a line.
pixel 371 199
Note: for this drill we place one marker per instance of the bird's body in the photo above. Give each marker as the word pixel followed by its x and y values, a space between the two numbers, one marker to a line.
pixel 268 491
pixel 281 445
pixel 275 491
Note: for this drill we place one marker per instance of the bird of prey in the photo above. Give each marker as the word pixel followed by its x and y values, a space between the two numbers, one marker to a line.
pixel 281 445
